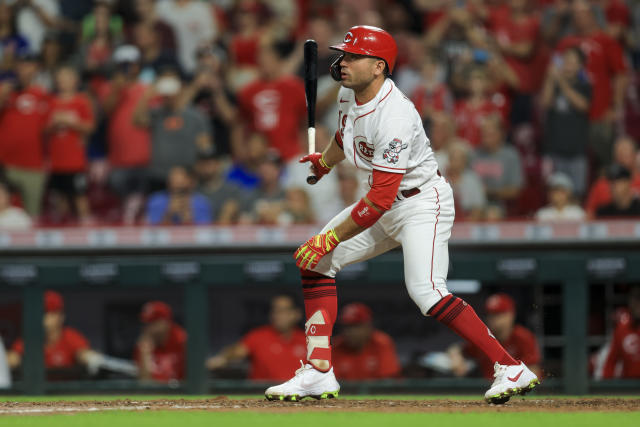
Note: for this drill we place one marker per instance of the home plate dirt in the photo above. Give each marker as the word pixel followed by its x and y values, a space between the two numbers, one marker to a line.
pixel 223 403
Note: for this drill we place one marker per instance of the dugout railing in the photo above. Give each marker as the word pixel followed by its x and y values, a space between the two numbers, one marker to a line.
pixel 197 259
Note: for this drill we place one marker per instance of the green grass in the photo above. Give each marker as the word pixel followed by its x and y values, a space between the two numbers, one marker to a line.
pixel 255 419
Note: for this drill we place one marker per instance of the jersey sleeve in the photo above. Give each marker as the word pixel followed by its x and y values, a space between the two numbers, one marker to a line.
pixel 392 146
pixel 85 110
pixel 76 340
pixel 251 341
pixel 389 366
pixel 613 355
pixel 615 57
pixel 530 349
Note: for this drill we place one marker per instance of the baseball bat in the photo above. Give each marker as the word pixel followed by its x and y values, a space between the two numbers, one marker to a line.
pixel 310 89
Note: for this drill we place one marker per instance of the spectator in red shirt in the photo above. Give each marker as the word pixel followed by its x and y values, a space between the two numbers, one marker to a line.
pixel 625 153
pixel 275 104
pixel 23 111
pixel 516 30
pixel 64 346
pixel 625 346
pixel 243 47
pixel 361 352
pixel 516 339
pixel 618 20
pixel 281 340
pixel 69 123
pixel 129 146
pixel 432 95
pixel 606 69
pixel 161 348
pixel 471 111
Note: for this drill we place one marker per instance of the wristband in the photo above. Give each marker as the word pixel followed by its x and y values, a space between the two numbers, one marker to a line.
pixel 364 215
pixel 323 163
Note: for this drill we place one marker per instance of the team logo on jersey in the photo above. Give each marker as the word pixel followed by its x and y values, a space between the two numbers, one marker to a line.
pixel 364 148
pixel 392 154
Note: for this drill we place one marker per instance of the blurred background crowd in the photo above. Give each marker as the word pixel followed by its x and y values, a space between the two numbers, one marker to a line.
pixel 193 112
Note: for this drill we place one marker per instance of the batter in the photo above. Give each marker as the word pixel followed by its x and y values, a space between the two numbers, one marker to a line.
pixel 408 204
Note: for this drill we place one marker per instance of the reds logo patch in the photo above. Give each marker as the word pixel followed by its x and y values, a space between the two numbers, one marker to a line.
pixel 364 148
pixel 392 154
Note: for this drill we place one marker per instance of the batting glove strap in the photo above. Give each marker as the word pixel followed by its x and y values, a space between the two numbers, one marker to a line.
pixel 309 254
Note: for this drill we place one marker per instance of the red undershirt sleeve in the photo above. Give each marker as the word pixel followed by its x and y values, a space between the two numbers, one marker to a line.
pixel 384 188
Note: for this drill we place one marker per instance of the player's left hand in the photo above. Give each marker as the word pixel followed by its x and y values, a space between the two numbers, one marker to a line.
pixel 318 166
pixel 309 254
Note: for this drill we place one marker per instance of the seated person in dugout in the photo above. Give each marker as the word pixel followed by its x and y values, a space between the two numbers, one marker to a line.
pixel 282 340
pixel 64 347
pixel 161 348
pixel 516 339
pixel 623 358
pixel 362 352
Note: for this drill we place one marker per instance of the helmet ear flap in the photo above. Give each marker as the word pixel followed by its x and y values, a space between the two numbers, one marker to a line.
pixel 334 68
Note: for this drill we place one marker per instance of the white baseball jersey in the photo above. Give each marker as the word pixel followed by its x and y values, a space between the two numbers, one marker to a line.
pixel 385 134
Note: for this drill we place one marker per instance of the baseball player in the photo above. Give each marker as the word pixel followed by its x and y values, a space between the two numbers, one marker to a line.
pixel 408 204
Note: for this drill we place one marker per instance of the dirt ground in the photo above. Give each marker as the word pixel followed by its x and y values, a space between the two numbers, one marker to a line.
pixel 223 403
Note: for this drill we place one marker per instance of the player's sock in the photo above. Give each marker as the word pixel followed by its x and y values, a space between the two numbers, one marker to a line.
pixel 463 320
pixel 319 296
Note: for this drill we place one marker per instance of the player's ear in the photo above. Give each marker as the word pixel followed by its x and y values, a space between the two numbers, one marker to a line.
pixel 381 66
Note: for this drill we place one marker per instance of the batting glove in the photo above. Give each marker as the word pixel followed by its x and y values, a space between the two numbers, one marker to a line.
pixel 309 254
pixel 319 167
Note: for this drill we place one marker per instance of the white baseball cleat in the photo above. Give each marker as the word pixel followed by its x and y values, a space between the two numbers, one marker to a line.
pixel 510 380
pixel 307 382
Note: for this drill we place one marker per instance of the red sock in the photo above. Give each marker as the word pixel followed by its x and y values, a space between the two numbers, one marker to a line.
pixel 463 320
pixel 320 293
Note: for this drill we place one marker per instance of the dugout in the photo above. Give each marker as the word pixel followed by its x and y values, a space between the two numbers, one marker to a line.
pixel 552 269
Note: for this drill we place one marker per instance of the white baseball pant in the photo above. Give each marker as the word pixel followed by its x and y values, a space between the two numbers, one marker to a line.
pixel 421 224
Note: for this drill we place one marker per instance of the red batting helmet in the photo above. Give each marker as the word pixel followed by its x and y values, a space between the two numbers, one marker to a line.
pixel 369 41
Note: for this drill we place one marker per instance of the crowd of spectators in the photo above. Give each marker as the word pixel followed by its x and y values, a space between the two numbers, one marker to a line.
pixel 193 112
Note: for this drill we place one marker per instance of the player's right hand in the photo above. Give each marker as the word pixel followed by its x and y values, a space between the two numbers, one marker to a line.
pixel 318 166
pixel 311 252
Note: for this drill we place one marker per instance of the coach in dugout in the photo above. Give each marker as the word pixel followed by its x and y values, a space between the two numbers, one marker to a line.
pixel 516 339
pixel 161 347
pixel 361 352
pixel 625 346
pixel 281 340
pixel 64 346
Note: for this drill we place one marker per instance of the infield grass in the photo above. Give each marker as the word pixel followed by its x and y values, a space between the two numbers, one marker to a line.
pixel 352 419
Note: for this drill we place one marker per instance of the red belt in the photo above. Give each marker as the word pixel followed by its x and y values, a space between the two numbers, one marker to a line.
pixel 413 191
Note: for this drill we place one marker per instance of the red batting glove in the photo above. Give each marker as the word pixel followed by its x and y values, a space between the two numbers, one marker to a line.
pixel 318 165
pixel 309 254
